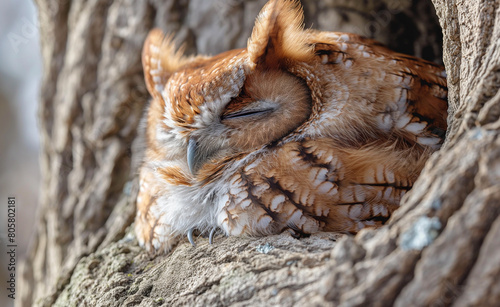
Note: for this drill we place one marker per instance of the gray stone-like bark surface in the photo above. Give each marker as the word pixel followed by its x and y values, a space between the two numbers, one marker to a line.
pixel 440 249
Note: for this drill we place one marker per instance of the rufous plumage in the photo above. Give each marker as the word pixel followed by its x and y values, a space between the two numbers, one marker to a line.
pixel 301 130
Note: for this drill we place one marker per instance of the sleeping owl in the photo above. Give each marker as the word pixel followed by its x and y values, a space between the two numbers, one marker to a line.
pixel 301 131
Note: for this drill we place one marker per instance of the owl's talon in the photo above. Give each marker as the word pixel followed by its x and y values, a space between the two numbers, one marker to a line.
pixel 211 235
pixel 297 234
pixel 190 237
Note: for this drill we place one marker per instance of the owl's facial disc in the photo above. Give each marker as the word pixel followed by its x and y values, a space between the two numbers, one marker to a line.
pixel 202 148
pixel 270 106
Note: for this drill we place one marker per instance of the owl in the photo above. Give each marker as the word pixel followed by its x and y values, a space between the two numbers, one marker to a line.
pixel 301 131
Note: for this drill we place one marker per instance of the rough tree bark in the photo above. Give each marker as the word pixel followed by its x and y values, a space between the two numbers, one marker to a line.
pixel 441 248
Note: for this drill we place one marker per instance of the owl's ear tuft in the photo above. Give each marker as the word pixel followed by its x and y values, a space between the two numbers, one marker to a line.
pixel 159 60
pixel 278 35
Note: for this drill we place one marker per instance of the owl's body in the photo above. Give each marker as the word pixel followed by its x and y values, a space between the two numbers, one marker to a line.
pixel 302 130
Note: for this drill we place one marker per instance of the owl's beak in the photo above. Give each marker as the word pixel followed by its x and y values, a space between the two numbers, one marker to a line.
pixel 192 156
pixel 197 155
pixel 199 152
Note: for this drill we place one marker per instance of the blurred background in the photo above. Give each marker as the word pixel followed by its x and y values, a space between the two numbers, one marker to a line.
pixel 20 73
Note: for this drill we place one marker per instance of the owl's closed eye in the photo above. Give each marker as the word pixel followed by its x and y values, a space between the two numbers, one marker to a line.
pixel 304 131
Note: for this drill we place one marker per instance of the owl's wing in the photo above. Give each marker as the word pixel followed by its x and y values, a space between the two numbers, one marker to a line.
pixel 402 95
pixel 316 184
pixel 423 101
pixel 349 188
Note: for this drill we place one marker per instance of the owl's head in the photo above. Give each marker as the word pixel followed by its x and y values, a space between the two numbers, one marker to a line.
pixel 207 109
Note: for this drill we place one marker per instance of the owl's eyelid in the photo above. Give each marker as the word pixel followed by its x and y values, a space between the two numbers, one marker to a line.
pixel 246 113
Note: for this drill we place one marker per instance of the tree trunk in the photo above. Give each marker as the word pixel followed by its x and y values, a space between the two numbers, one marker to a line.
pixel 440 248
